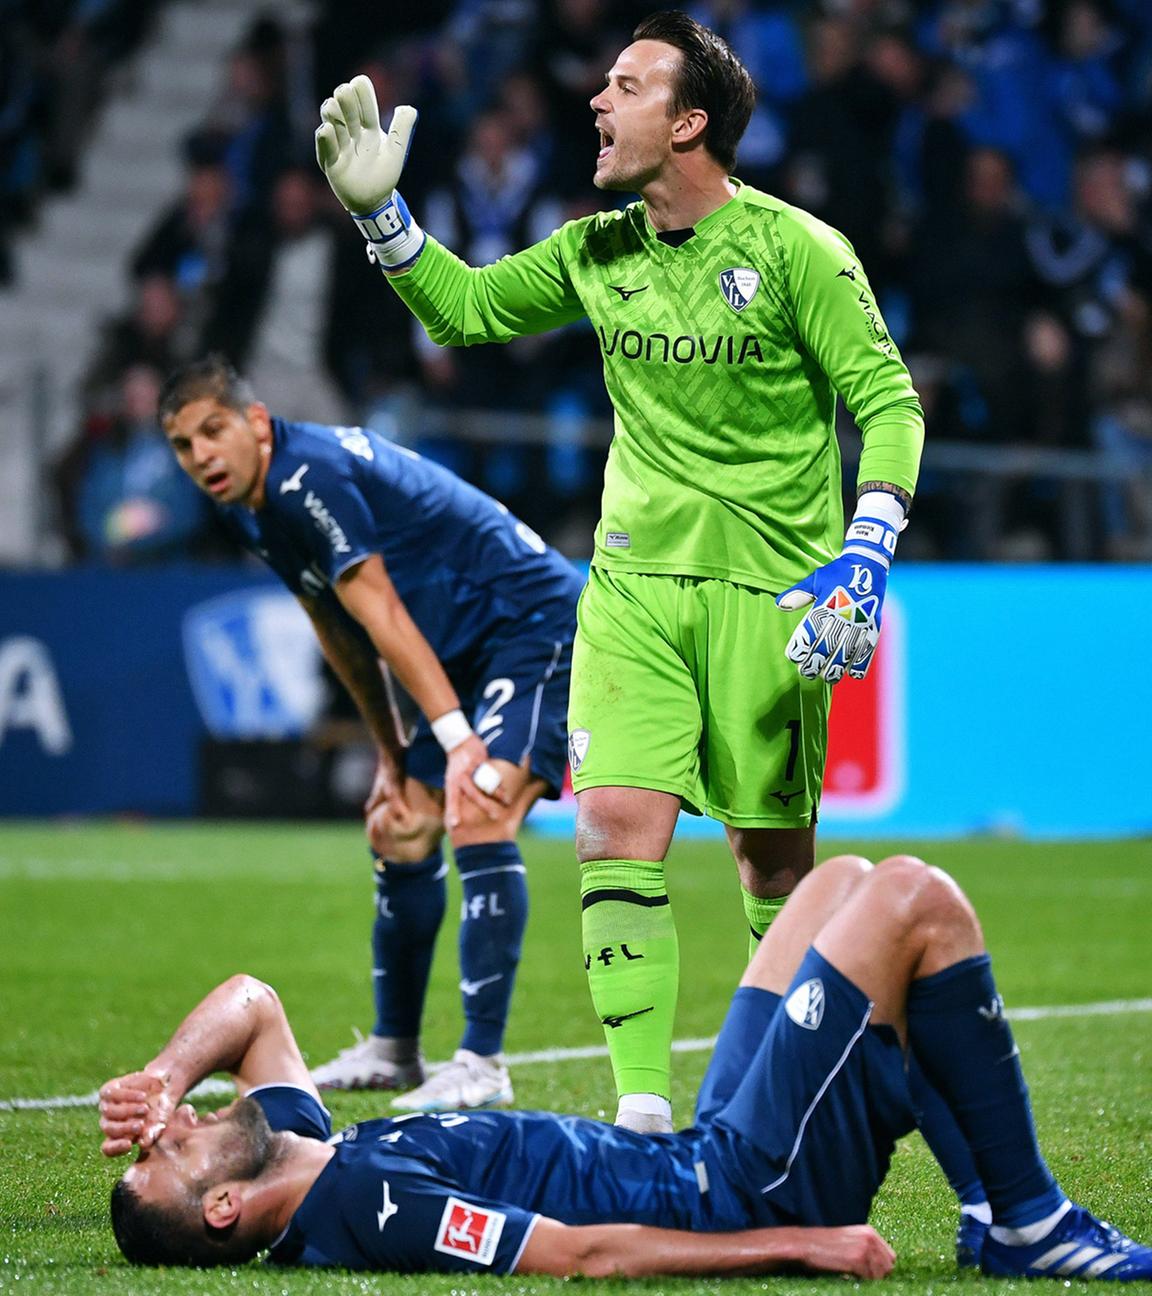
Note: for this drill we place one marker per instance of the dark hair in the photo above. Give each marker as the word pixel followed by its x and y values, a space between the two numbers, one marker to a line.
pixel 710 77
pixel 212 376
pixel 149 1234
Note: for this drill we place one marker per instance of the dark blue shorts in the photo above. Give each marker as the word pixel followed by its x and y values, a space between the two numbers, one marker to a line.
pixel 515 693
pixel 804 1100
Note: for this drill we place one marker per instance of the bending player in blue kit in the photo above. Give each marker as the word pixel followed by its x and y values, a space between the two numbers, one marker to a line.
pixel 398 561
pixel 795 1124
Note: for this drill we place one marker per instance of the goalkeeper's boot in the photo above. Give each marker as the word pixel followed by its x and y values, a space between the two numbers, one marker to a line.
pixel 1079 1247
pixel 374 1062
pixel 970 1236
pixel 468 1081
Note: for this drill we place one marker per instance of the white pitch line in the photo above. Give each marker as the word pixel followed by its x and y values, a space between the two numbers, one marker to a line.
pixel 219 1088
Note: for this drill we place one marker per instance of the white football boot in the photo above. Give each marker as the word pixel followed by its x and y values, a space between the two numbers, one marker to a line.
pixel 469 1080
pixel 373 1062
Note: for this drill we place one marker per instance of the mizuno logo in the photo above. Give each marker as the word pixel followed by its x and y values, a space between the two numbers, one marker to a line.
pixel 627 293
pixel 388 1209
pixel 474 987
pixel 293 482
pixel 784 797
pixel 614 1022
pixel 849 272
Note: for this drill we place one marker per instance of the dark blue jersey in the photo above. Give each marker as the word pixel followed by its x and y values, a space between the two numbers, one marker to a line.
pixel 467 570
pixel 800 1110
pixel 461 1191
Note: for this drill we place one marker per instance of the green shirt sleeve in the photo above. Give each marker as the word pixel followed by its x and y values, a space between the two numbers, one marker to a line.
pixel 461 305
pixel 840 324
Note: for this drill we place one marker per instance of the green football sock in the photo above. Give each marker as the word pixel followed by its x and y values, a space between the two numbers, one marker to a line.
pixel 632 958
pixel 760 912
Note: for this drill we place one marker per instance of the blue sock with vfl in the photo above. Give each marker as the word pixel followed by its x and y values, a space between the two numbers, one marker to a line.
pixel 493 915
pixel 961 1038
pixel 945 1138
pixel 410 900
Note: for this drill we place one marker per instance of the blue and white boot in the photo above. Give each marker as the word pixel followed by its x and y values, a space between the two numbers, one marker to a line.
pixel 1079 1246
pixel 970 1236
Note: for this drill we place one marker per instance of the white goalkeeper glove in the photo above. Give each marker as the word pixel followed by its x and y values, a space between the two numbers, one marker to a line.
pixel 363 164
pixel 840 633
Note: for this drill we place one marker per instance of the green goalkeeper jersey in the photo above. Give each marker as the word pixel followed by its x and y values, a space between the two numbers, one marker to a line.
pixel 722 357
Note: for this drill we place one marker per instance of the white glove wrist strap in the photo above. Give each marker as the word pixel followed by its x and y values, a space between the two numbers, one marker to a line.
pixel 395 237
pixel 875 526
pixel 882 506
pixel 451 729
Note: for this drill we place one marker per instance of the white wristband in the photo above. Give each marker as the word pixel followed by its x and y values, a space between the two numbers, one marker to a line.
pixel 882 505
pixel 451 729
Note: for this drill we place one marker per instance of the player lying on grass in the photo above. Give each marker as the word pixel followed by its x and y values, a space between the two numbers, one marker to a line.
pixel 396 560
pixel 795 1123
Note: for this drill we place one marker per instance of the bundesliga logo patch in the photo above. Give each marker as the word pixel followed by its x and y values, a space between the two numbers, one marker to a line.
pixel 469 1231
pixel 738 285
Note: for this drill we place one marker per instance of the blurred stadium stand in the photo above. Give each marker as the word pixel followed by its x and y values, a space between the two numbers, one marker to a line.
pixel 67 267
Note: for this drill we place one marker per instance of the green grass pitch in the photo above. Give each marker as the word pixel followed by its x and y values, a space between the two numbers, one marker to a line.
pixel 112 932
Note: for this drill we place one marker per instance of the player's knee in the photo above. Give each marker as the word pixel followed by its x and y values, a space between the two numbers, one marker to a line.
pixel 772 861
pixel 624 823
pixel 413 847
pixel 846 870
pixel 924 894
pixel 903 879
pixel 598 830
pixel 907 868
pixel 947 907
pixel 834 881
pixel 476 829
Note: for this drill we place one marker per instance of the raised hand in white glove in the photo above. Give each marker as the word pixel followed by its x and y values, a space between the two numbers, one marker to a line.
pixel 363 164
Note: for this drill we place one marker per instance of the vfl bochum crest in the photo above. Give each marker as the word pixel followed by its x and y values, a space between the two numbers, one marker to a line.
pixel 805 1005
pixel 739 285
pixel 578 741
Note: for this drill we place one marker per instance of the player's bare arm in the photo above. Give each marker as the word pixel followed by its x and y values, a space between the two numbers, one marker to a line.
pixel 358 668
pixel 367 592
pixel 240 1027
pixel 637 1251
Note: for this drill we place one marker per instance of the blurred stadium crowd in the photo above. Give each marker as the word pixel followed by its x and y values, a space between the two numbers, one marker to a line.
pixel 991 161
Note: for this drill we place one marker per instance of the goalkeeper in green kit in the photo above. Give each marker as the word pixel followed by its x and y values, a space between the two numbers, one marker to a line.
pixel 728 322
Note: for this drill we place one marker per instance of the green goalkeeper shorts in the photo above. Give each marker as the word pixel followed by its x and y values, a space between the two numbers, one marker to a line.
pixel 680 684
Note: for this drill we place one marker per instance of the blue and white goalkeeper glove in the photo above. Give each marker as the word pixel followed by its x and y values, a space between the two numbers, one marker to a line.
pixel 840 633
pixel 363 164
